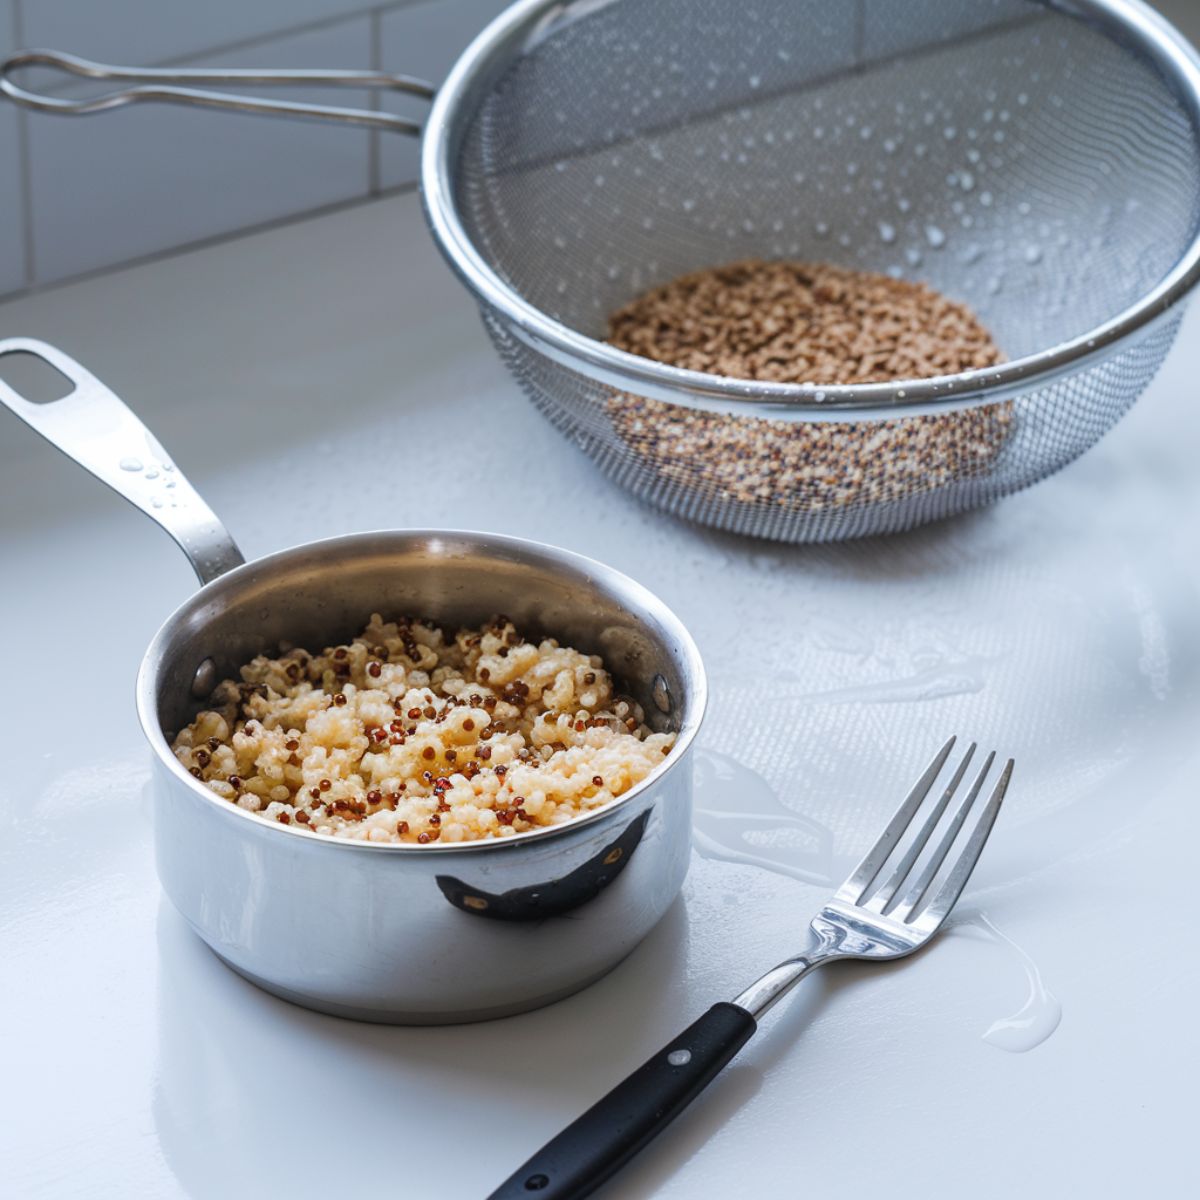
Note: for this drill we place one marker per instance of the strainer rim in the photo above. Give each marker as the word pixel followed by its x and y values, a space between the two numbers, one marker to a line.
pixel 514 29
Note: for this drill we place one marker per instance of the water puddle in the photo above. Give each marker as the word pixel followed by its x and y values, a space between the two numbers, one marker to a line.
pixel 739 819
pixel 1039 1016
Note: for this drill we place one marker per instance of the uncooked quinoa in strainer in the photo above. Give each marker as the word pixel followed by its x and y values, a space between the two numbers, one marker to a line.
pixel 790 322
pixel 407 735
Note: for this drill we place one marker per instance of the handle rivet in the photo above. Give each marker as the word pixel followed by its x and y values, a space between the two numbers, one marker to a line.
pixel 535 1183
pixel 204 680
pixel 679 1058
pixel 660 694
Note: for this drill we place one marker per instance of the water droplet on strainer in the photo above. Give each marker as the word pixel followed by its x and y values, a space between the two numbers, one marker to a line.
pixel 818 396
pixel 151 474
pixel 755 81
pixel 1024 208
pixel 994 286
pixel 599 181
pixel 950 133
pixel 1033 255
pixel 966 181
pixel 799 176
pixel 887 233
pixel 688 204
pixel 157 502
pixel 914 256
pixel 560 241
pixel 131 464
pixel 903 204
pixel 865 133
pixel 170 483
pixel 986 198
pixel 560 165
pixel 1022 99
pixel 822 229
pixel 935 236
pixel 890 145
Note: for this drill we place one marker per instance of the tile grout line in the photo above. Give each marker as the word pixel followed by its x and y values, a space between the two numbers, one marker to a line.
pixel 374 187
pixel 206 243
pixel 375 103
pixel 261 39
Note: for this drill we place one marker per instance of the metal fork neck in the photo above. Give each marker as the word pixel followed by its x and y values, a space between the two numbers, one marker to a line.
pixel 763 994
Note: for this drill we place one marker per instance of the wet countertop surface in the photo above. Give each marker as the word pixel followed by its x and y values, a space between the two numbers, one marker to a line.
pixel 332 376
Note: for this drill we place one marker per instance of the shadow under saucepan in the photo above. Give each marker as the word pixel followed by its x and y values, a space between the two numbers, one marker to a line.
pixel 246 1082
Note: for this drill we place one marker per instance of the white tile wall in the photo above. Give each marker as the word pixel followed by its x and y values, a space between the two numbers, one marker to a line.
pixel 12 245
pixel 1184 13
pixel 122 184
pixel 424 40
pixel 139 32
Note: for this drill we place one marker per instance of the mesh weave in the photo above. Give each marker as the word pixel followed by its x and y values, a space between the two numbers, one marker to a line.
pixel 1011 155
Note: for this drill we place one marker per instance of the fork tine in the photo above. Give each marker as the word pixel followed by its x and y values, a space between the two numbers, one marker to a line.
pixel 947 895
pixel 903 908
pixel 879 899
pixel 864 874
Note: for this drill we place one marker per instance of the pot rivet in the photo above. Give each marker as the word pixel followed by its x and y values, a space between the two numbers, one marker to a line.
pixel 204 680
pixel 661 694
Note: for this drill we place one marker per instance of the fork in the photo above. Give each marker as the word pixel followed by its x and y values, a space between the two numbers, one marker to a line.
pixel 880 912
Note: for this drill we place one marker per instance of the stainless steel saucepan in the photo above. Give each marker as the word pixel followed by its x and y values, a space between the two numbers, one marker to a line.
pixel 397 933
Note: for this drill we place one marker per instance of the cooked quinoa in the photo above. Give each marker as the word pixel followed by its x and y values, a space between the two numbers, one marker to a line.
pixel 406 735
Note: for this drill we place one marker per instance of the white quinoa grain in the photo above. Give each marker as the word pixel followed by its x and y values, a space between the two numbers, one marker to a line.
pixel 405 735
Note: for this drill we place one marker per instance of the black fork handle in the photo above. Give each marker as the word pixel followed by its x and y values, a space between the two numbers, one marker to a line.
pixel 598 1144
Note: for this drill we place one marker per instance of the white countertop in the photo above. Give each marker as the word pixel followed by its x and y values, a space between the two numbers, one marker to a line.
pixel 292 374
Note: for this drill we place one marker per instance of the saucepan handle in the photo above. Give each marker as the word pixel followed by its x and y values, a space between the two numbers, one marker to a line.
pixel 93 427
pixel 175 85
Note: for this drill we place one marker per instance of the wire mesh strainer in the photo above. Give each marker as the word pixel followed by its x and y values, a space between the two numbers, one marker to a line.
pixel 1040 161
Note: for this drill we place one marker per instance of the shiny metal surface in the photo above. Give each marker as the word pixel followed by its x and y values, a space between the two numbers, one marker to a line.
pixel 880 913
pixel 95 429
pixel 403 934
pixel 1036 159
pixel 525 30
pixel 173 85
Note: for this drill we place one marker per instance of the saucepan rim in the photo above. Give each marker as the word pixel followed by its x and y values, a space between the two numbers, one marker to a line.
pixel 637 599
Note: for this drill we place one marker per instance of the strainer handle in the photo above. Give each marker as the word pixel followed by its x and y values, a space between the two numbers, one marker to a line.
pixel 175 86
pixel 93 427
